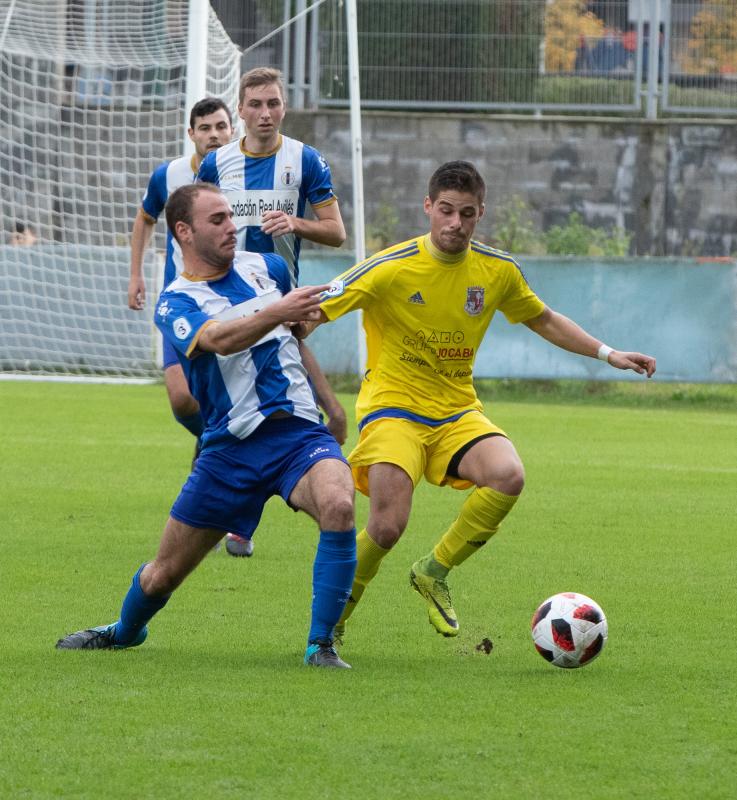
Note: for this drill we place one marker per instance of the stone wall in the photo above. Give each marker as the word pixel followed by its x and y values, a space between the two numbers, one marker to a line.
pixel 671 184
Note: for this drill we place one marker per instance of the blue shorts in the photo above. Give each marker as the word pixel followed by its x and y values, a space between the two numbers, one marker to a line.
pixel 228 487
pixel 170 355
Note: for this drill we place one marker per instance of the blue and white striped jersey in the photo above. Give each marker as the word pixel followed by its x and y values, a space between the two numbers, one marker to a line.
pixel 236 392
pixel 164 180
pixel 282 180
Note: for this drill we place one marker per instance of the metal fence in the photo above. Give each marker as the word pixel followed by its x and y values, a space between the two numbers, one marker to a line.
pixel 546 56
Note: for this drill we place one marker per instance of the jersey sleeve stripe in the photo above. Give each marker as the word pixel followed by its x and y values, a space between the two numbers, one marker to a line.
pixel 327 202
pixel 196 337
pixel 366 266
pixel 412 249
pixel 485 250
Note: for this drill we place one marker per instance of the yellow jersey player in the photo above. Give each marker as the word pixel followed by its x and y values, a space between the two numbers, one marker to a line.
pixel 427 304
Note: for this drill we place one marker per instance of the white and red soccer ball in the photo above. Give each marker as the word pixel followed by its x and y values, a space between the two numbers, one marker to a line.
pixel 569 630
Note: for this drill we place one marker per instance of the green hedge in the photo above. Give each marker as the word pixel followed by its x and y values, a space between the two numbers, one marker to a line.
pixel 464 51
pixel 616 91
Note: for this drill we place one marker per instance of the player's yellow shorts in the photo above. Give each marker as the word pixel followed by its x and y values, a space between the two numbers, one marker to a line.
pixel 417 448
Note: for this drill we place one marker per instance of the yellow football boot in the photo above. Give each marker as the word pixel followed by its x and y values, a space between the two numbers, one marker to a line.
pixel 436 594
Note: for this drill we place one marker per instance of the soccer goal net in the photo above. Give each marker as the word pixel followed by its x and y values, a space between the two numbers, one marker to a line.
pixel 92 99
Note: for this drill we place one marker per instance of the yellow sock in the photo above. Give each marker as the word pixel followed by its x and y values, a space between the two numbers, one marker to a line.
pixel 369 556
pixel 478 521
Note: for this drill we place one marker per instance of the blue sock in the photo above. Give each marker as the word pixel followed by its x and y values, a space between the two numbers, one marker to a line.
pixel 193 423
pixel 137 610
pixel 332 579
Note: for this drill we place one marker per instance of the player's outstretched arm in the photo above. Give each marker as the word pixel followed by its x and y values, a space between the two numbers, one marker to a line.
pixel 225 338
pixel 565 333
pixel 141 234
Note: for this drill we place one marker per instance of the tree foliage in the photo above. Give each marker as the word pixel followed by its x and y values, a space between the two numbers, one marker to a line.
pixel 566 23
pixel 712 44
pixel 515 232
pixel 575 238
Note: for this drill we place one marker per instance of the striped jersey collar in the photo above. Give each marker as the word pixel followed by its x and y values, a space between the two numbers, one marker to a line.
pixel 200 279
pixel 248 153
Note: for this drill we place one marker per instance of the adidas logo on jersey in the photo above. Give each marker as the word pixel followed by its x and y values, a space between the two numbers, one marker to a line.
pixel 416 298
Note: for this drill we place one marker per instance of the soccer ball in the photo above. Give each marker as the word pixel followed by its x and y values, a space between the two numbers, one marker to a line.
pixel 569 630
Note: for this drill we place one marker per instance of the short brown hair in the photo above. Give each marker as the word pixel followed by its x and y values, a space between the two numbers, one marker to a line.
pixel 179 205
pixel 460 176
pixel 260 76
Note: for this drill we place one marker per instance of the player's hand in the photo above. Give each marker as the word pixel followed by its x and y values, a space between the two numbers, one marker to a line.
pixel 641 364
pixel 277 223
pixel 301 305
pixel 300 330
pixel 136 293
pixel 337 424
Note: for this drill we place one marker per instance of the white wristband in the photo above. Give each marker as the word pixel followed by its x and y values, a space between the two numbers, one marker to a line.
pixel 603 354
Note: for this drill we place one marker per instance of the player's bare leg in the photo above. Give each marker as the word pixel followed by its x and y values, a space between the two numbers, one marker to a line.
pixel 494 463
pixel 181 549
pixel 390 497
pixel 326 493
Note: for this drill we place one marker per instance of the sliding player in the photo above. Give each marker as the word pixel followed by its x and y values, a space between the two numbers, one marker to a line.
pixel 256 443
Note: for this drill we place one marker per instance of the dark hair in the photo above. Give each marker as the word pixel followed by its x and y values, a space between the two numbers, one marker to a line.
pixel 179 205
pixel 209 105
pixel 260 76
pixel 22 227
pixel 460 176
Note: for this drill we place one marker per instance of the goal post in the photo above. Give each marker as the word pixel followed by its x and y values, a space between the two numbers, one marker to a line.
pixel 354 94
pixel 93 96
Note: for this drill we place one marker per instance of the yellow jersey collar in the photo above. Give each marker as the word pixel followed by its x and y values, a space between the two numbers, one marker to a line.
pixel 440 255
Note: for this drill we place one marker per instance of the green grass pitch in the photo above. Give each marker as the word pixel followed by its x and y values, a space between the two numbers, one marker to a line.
pixel 633 503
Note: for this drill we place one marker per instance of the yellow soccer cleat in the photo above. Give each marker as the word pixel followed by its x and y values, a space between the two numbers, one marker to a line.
pixel 436 594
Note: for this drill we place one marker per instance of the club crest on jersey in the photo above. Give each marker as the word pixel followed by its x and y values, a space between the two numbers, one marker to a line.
pixel 336 290
pixel 474 300
pixel 181 328
pixel 255 279
pixel 288 177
